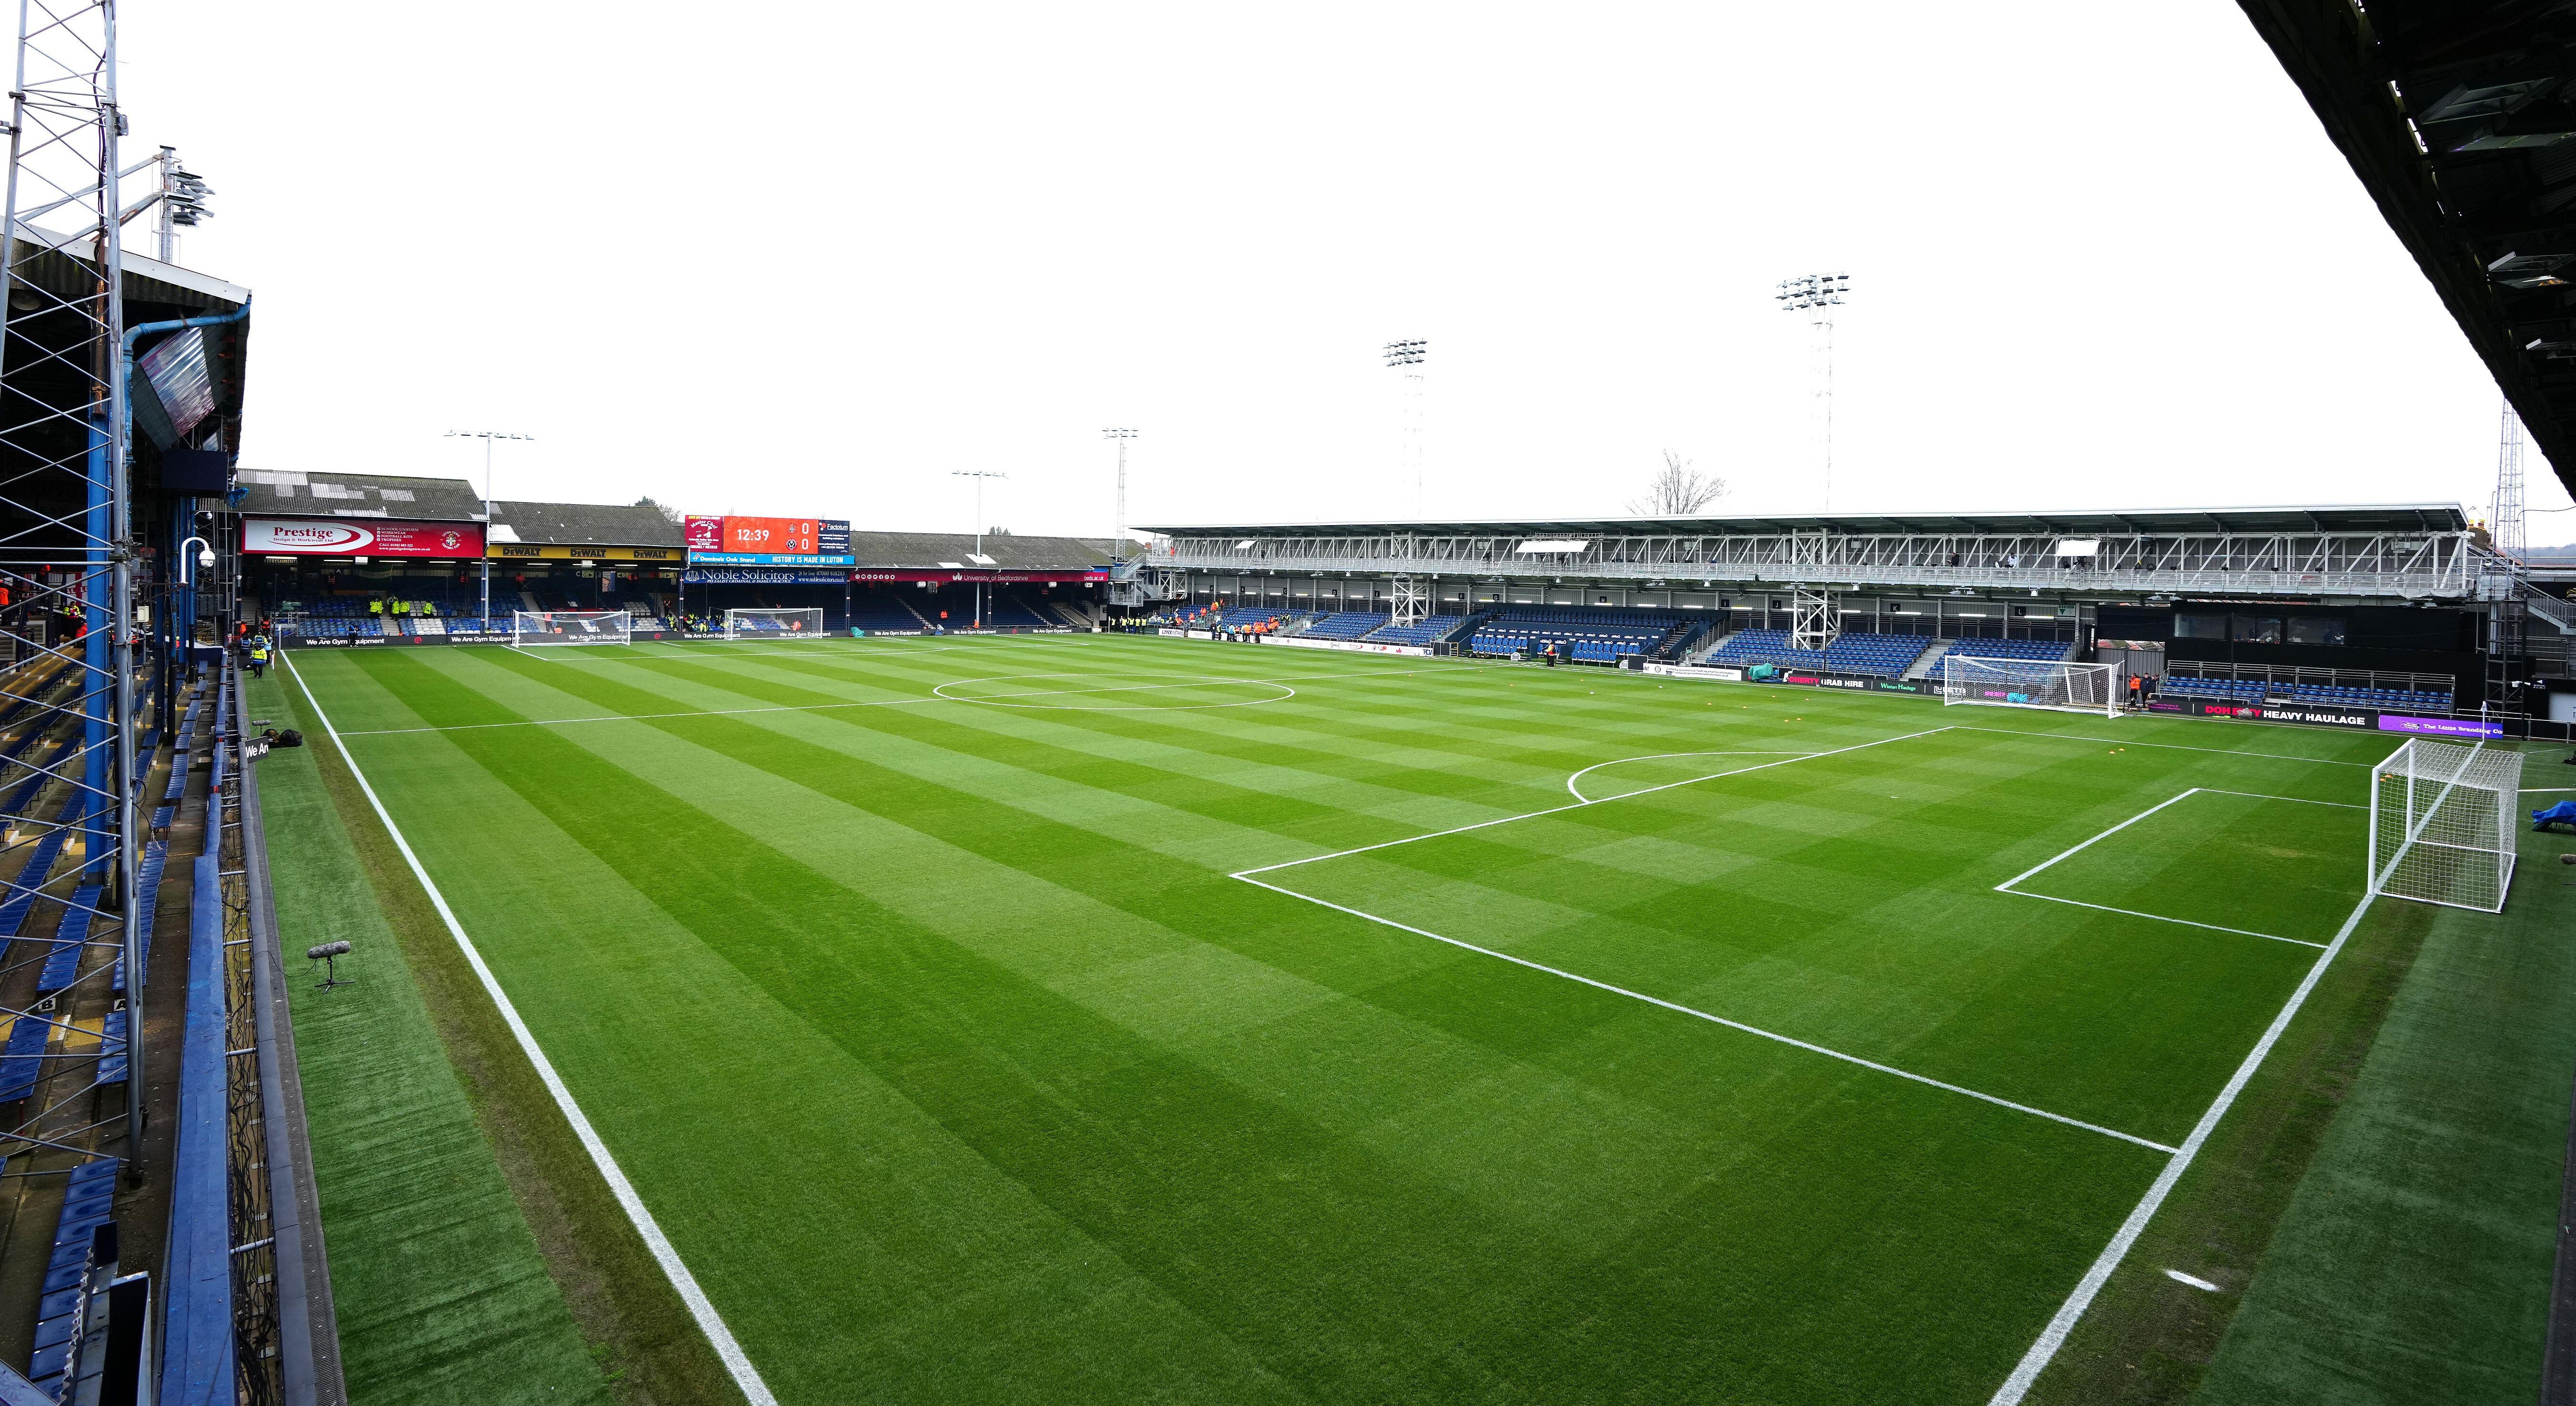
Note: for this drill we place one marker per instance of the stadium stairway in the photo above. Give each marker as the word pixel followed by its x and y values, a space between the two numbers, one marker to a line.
pixel 1930 661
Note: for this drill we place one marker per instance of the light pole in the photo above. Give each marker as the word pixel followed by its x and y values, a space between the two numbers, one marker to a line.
pixel 1817 295
pixel 487 436
pixel 1408 357
pixel 979 475
pixel 1118 539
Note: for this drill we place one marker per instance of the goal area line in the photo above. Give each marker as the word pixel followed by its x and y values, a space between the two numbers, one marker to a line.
pixel 2010 885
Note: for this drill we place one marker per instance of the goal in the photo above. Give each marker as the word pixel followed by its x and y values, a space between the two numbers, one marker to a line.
pixel 529 628
pixel 2029 683
pixel 2443 820
pixel 748 624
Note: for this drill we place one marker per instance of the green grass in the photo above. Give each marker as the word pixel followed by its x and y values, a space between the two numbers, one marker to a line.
pixel 441 1293
pixel 942 1043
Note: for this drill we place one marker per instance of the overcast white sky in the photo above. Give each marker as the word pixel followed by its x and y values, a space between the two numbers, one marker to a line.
pixel 813 259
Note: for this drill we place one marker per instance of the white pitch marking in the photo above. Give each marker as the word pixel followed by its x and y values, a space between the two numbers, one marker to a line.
pixel 2168 746
pixel 2072 850
pixel 701 1308
pixel 1578 805
pixel 2159 917
pixel 1772 1035
pixel 2265 796
pixel 2053 1337
pixel 2193 1280
pixel 1660 756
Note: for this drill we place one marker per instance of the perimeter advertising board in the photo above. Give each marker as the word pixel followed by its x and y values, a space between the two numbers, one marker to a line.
pixel 360 537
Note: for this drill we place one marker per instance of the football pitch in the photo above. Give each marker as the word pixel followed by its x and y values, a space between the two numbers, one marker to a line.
pixel 1097 1018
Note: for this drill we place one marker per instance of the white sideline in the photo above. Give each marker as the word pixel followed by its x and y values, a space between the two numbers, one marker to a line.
pixel 736 1362
pixel 1718 1019
pixel 2053 1337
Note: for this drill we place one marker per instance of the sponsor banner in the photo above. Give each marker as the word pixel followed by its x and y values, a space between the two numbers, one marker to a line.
pixel 1198 634
pixel 2439 727
pixel 1346 646
pixel 360 537
pixel 2281 713
pixel 2128 644
pixel 1900 685
pixel 532 551
pixel 698 558
pixel 1718 672
pixel 1169 633
pixel 753 576
pixel 831 536
pixel 1001 576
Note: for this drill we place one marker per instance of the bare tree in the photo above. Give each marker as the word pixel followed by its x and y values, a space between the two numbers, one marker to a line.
pixel 1677 489
pixel 669 513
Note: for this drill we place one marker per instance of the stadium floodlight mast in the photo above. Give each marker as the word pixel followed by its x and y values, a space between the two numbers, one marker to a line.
pixel 1118 539
pixel 1817 295
pixel 487 436
pixel 979 475
pixel 1405 595
pixel 2505 513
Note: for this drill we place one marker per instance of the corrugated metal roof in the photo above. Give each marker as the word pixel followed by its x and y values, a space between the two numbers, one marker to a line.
pixel 597 524
pixel 932 550
pixel 291 493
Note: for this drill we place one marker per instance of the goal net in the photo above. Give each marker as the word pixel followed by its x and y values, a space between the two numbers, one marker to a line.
pixel 536 627
pixel 2028 683
pixel 748 624
pixel 2443 824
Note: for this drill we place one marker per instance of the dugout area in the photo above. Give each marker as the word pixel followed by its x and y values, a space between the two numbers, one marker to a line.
pixel 1115 1031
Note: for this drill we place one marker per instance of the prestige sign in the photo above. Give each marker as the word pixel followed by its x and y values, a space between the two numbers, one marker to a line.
pixel 360 537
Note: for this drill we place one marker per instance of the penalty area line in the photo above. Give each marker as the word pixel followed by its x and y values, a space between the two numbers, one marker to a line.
pixel 1736 1025
pixel 2053 1337
pixel 737 1363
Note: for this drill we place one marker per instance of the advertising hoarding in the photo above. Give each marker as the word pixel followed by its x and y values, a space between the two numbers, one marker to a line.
pixel 360 537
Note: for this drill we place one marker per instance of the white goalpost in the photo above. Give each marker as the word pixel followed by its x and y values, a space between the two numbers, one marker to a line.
pixel 2029 683
pixel 530 628
pixel 756 624
pixel 2443 821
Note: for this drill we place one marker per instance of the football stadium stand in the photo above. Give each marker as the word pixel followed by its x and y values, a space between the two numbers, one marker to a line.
pixel 1428 630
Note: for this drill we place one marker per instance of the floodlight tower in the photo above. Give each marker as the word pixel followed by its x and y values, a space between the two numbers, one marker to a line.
pixel 1118 539
pixel 1407 357
pixel 182 201
pixel 2505 514
pixel 487 436
pixel 1817 295
pixel 979 475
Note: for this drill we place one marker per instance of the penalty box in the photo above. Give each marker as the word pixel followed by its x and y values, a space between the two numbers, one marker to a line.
pixel 1850 903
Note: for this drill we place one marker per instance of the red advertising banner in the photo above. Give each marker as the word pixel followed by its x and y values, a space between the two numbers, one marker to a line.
pixel 360 537
pixel 703 534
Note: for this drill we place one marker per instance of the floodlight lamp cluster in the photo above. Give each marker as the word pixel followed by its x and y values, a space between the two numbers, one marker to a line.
pixel 1412 353
pixel 1812 290
pixel 1118 434
pixel 187 198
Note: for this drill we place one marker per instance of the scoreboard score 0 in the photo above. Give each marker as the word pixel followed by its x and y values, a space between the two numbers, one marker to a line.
pixel 776 535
